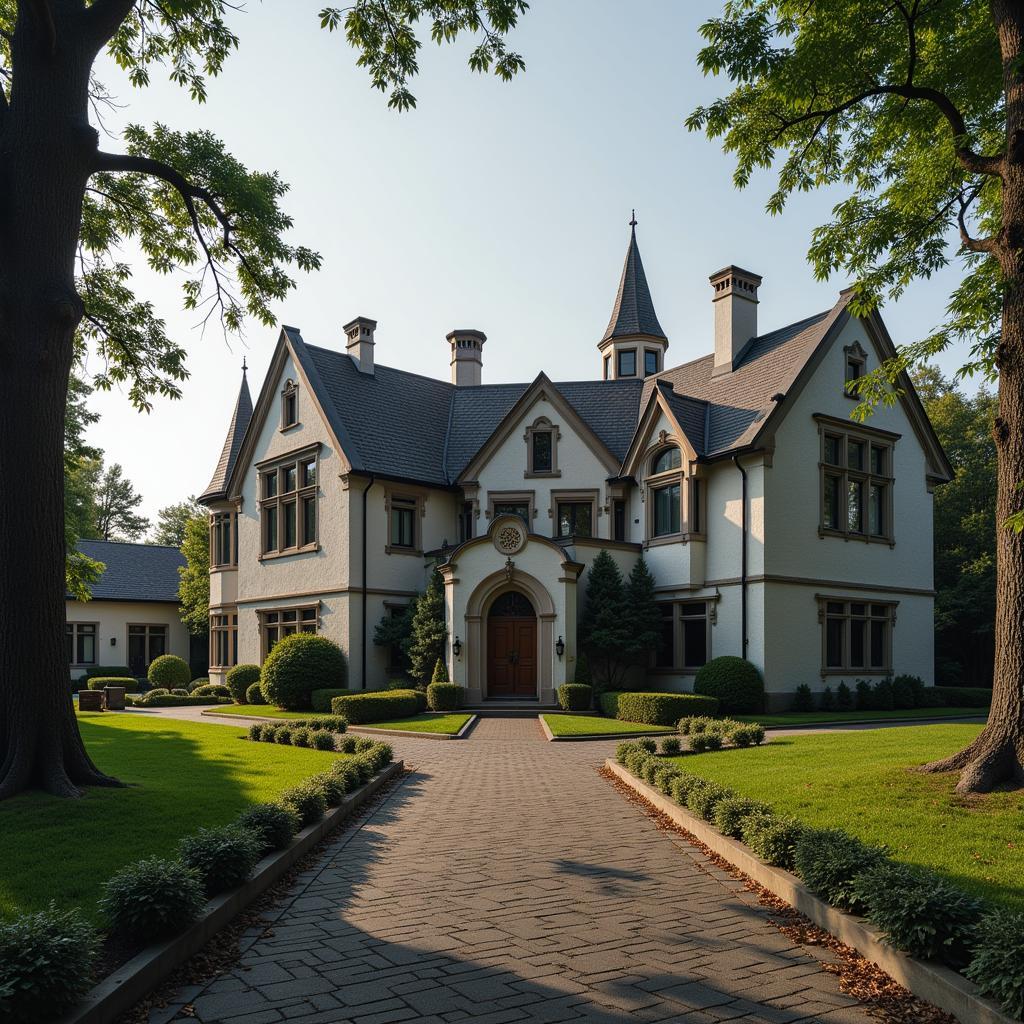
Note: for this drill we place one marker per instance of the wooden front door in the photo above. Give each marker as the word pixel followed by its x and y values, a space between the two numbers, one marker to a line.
pixel 512 648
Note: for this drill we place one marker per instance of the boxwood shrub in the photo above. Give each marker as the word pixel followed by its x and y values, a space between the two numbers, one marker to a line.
pixel 703 800
pixel 772 837
pixel 170 671
pixel 112 671
pixel 321 739
pixel 331 786
pixel 222 858
pixel 732 812
pixel 624 748
pixel 160 699
pixel 131 685
pixel 681 786
pixel 320 700
pixel 254 694
pixel 744 735
pixel 574 696
pixel 735 682
pixel 962 696
pixel 670 746
pixel 307 801
pixel 152 899
pixel 273 825
pixel 997 964
pixel 444 696
pixel 283 734
pixel 829 859
pixel 299 664
pixel 376 705
pixel 704 741
pixel 664 777
pixel 212 690
pixel 46 962
pixel 918 911
pixel 655 708
pixel 347 773
pixel 300 737
pixel 240 679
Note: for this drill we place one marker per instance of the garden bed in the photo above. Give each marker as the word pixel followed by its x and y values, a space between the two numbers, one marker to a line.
pixel 590 727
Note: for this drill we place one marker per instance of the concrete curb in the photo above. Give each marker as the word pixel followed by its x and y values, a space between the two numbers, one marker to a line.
pixel 938 985
pixel 369 730
pixel 134 980
pixel 596 735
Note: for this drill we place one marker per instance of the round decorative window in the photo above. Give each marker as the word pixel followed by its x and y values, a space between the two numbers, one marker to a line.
pixel 510 538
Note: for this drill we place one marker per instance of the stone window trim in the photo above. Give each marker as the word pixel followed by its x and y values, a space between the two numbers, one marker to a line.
pixel 845 431
pixel 73 630
pixel 657 481
pixel 575 496
pixel 415 501
pixel 847 616
pixel 542 425
pixel 300 495
pixel 710 617
pixel 271 619
pixel 161 629
pixel 657 361
pixel 223 540
pixel 527 498
pixel 619 354
pixel 289 406
pixel 855 361
pixel 606 364
pixel 224 636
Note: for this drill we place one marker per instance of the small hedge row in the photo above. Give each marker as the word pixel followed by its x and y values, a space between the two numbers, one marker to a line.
pixel 294 734
pixel 714 733
pixel 445 696
pixel 575 696
pixel 160 698
pixel 655 708
pixel 918 911
pixel 130 685
pixel 379 705
pixel 899 693
pixel 734 682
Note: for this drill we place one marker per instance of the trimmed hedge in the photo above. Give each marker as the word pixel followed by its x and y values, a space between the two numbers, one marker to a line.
pixel 307 801
pixel 963 696
pixel 377 706
pixel 170 671
pixel 320 700
pixel 240 679
pixel 443 696
pixel 829 860
pixel 212 690
pixel 152 898
pixel 222 858
pixel 113 671
pixel 772 837
pixel 655 708
pixel 130 684
pixel 575 696
pixel 299 664
pixel 170 700
pixel 273 825
pixel 997 964
pixel 734 681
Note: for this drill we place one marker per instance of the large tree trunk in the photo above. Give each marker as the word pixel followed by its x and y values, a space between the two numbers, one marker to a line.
pixel 46 146
pixel 997 755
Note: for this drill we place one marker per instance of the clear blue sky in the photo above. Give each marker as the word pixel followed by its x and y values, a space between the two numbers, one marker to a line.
pixel 501 207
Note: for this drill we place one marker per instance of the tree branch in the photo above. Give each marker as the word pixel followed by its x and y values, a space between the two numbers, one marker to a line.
pixel 973 244
pixel 104 18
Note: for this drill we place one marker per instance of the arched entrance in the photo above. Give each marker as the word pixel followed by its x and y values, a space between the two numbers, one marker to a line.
pixel 511 647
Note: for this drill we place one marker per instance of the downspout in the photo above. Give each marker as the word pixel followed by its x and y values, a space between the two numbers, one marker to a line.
pixel 743 556
pixel 366 490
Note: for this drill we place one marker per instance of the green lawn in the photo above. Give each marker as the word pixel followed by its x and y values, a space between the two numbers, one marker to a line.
pixel 449 724
pixel 261 711
pixel 180 776
pixel 587 725
pixel 859 781
pixel 791 718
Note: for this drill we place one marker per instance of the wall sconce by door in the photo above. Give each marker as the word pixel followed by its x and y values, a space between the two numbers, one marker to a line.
pixel 457 647
pixel 559 647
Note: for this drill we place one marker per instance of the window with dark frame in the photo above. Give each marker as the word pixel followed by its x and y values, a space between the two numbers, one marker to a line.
pixel 607 366
pixel 856 485
pixel 855 368
pixel 650 362
pixel 512 508
pixel 618 519
pixel 288 506
pixel 224 639
pixel 575 519
pixel 278 623
pixel 403 522
pixel 289 405
pixel 857 636
pixel 81 642
pixel 684 633
pixel 542 451
pixel 146 643
pixel 223 539
pixel 627 362
pixel 666 497
pixel 466 522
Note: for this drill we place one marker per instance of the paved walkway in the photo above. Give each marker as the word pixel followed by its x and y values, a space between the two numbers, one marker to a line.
pixel 504 880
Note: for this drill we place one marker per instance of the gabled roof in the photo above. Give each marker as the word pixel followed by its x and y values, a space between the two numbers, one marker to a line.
pixel 135 572
pixel 217 487
pixel 633 312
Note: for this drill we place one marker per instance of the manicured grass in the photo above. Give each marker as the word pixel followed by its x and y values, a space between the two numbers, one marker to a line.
pixel 261 711
pixel 859 781
pixel 791 718
pixel 586 725
pixel 449 724
pixel 180 776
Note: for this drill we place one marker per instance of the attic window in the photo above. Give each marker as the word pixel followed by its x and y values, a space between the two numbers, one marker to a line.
pixel 289 405
pixel 627 362
pixel 541 439
pixel 650 361
pixel 855 366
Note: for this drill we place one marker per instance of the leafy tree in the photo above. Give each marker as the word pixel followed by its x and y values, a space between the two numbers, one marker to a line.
pixel 913 110
pixel 116 501
pixel 81 467
pixel 429 632
pixel 194 586
pixel 172 521
pixel 603 630
pixel 965 531
pixel 396 631
pixel 643 619
pixel 68 210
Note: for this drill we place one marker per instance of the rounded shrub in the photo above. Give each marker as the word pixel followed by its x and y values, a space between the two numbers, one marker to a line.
pixel 211 690
pixel 664 777
pixel 239 679
pixel 221 857
pixel 157 691
pixel 364 743
pixel 918 911
pixel 670 746
pixel 257 730
pixel 283 734
pixel 444 696
pixel 331 787
pixel 347 774
pixel 152 898
pixel 650 771
pixel 681 786
pixel 179 693
pixel 803 699
pixel 624 748
pixel 365 767
pixel 746 735
pixel 772 837
pixel 703 800
pixel 829 859
pixel 307 801
pixel 574 696
pixel 300 737
pixel 46 962
pixel 731 813
pixel 321 739
pixel 703 741
pixel 696 724
pixel 273 825
pixel 298 665
pixel 169 671
pixel 349 744
pixel 734 681
pixel 254 694
pixel 646 743
pixel 196 683
pixel 635 761
pixel 997 963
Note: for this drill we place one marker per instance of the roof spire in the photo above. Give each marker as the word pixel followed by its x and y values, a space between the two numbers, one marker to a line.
pixel 244 367
pixel 217 488
pixel 632 222
pixel 633 312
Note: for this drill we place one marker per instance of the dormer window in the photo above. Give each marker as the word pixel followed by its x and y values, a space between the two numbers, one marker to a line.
pixel 289 405
pixel 542 448
pixel 650 361
pixel 627 362
pixel 856 363
pixel 665 492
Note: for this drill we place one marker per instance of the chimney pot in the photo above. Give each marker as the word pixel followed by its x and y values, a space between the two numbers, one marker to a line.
pixel 359 342
pixel 467 357
pixel 735 302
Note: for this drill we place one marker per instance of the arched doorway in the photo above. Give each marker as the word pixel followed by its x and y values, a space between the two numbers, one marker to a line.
pixel 511 647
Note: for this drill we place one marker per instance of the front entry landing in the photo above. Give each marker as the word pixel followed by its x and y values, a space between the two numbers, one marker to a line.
pixel 512 647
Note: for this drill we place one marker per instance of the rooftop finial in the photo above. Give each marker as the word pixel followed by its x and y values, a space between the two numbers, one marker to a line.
pixel 632 222
pixel 244 366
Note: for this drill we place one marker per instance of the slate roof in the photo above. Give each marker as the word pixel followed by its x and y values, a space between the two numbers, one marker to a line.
pixel 217 487
pixel 633 312
pixel 135 572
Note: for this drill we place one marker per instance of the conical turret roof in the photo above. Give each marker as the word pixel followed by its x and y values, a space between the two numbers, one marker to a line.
pixel 217 488
pixel 633 312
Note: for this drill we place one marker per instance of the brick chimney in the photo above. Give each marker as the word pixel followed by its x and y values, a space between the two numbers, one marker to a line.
pixel 735 315
pixel 359 342
pixel 467 357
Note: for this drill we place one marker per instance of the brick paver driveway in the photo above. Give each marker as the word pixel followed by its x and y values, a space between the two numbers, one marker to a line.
pixel 504 880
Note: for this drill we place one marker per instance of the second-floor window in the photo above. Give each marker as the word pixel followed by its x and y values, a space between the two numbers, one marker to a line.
pixel 575 519
pixel 856 484
pixel 223 539
pixel 665 492
pixel 288 505
pixel 403 522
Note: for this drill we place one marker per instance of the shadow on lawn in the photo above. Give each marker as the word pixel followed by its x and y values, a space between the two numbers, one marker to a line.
pixel 383 931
